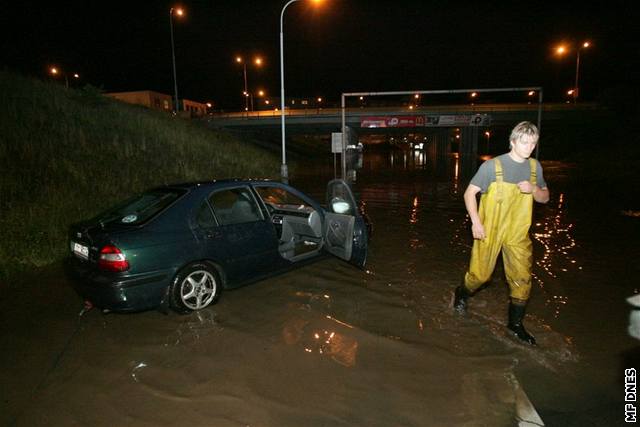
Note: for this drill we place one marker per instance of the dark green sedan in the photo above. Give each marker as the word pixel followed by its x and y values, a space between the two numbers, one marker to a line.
pixel 180 245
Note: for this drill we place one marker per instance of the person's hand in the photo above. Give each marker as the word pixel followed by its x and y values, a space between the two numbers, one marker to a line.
pixel 526 187
pixel 478 231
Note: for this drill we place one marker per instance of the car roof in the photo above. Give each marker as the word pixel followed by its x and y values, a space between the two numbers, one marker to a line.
pixel 216 182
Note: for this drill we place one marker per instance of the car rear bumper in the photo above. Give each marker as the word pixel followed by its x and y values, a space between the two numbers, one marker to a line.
pixel 117 292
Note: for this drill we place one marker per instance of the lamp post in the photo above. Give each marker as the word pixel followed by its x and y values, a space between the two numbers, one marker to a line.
pixel 55 71
pixel 284 171
pixel 245 92
pixel 488 135
pixel 583 46
pixel 561 50
pixel 258 62
pixel 179 12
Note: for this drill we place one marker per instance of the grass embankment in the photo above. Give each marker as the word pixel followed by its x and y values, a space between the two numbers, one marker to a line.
pixel 67 154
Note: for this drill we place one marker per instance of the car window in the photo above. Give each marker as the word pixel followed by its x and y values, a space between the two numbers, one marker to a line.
pixel 204 217
pixel 279 198
pixel 140 208
pixel 235 206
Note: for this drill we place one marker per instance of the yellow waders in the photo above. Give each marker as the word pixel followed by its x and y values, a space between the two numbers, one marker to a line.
pixel 506 214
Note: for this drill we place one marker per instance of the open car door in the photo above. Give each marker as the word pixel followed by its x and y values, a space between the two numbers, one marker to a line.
pixel 345 231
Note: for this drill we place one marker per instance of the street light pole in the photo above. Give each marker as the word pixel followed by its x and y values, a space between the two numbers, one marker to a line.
pixel 173 58
pixel 561 50
pixel 247 94
pixel 583 46
pixel 246 90
pixel 54 71
pixel 284 171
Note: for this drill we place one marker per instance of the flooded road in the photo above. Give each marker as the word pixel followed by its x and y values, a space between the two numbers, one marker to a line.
pixel 331 345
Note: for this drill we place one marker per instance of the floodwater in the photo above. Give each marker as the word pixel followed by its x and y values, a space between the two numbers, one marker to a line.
pixel 332 345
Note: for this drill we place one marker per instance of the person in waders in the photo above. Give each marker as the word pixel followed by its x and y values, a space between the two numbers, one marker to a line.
pixel 509 184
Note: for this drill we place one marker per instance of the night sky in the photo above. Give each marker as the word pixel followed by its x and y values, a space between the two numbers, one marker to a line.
pixel 338 46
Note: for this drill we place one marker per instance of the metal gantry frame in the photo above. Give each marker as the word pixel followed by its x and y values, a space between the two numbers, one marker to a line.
pixel 430 92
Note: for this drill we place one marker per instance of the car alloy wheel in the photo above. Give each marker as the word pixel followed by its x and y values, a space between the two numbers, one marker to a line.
pixel 198 289
pixel 194 288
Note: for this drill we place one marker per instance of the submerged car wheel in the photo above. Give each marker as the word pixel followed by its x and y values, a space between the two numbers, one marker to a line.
pixel 195 287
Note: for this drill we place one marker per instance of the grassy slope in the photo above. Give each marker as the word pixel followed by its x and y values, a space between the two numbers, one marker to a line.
pixel 67 154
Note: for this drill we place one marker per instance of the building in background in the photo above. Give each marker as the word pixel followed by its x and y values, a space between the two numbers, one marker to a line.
pixel 148 98
pixel 160 102
pixel 193 109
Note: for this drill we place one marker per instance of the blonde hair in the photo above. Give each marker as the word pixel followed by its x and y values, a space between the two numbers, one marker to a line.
pixel 526 131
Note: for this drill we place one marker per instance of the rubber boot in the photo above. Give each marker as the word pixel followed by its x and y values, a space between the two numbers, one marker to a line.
pixel 461 294
pixel 516 314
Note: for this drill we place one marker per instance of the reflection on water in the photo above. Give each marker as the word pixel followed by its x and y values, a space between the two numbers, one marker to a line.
pixel 322 338
pixel 555 235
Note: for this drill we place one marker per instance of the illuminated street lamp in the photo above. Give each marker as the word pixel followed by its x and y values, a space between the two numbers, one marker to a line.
pixel 55 71
pixel 561 50
pixel 284 171
pixel 258 62
pixel 488 135
pixel 180 12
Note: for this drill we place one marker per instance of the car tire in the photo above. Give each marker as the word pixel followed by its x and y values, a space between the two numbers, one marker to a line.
pixel 195 287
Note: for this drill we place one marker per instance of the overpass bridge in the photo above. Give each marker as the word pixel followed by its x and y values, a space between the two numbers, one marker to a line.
pixel 370 119
pixel 435 122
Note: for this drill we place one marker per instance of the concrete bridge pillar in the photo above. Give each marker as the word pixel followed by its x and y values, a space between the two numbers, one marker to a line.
pixel 469 141
pixel 443 151
pixel 468 151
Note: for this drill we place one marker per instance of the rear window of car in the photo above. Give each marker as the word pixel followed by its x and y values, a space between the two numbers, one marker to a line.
pixel 140 208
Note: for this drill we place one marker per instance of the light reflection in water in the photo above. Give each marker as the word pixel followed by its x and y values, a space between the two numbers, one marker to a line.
pixel 413 218
pixel 456 173
pixel 554 233
pixel 339 347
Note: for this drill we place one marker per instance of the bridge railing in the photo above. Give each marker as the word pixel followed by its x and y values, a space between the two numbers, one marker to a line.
pixel 421 110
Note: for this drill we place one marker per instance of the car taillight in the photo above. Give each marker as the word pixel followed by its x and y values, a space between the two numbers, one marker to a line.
pixel 112 259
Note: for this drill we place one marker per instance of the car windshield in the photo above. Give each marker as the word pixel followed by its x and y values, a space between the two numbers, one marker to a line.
pixel 140 208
